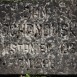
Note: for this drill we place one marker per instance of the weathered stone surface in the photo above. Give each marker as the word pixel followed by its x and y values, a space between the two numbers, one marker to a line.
pixel 38 36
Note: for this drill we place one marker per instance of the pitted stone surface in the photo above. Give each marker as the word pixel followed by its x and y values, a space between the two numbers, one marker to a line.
pixel 38 37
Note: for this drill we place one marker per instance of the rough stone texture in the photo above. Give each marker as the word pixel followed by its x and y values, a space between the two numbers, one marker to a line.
pixel 38 37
